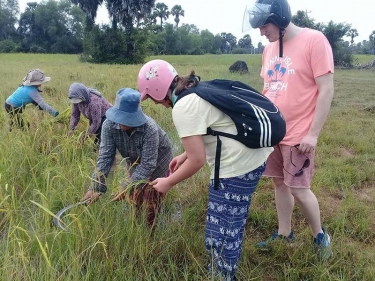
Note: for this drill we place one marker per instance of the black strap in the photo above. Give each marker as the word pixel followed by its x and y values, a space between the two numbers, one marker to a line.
pixel 281 51
pixel 217 162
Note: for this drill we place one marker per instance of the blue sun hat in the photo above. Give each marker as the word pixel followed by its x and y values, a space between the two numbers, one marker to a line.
pixel 127 110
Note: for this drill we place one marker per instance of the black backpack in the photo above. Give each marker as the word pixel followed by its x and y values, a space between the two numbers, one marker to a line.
pixel 259 121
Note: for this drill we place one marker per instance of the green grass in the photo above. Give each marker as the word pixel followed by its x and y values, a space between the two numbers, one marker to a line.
pixel 43 170
pixel 364 58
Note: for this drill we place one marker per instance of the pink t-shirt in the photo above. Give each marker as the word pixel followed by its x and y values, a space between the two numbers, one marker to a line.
pixel 290 81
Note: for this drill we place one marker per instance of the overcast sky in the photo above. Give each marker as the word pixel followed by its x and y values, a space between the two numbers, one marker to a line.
pixel 226 15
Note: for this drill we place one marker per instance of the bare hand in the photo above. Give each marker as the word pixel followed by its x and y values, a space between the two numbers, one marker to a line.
pixel 92 195
pixel 307 144
pixel 162 185
pixel 82 139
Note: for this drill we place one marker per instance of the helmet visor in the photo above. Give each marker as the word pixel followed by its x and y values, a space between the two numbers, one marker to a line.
pixel 255 16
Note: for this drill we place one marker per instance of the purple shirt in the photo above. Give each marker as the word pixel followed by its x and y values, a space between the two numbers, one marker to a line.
pixel 94 111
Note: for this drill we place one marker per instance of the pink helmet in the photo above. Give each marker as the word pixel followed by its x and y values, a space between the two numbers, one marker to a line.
pixel 155 78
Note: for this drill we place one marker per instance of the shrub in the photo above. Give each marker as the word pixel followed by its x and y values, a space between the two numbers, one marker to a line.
pixel 8 46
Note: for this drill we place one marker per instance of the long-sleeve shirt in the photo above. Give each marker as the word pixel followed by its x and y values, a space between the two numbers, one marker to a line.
pixel 93 110
pixel 147 151
pixel 25 95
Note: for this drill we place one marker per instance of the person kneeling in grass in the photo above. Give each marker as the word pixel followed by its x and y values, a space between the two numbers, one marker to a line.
pixel 91 104
pixel 146 148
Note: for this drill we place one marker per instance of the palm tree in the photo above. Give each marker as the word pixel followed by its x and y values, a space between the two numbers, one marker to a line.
pixel 126 12
pixel 89 7
pixel 352 33
pixel 177 12
pixel 161 11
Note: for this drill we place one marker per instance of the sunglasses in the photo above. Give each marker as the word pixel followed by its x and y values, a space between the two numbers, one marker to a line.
pixel 305 165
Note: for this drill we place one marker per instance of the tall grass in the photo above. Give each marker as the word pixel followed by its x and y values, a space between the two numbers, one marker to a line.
pixel 42 170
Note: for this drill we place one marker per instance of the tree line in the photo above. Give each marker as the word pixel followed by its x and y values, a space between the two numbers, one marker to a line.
pixel 139 29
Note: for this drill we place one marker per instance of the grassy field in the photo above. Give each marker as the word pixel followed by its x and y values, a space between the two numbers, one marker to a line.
pixel 43 170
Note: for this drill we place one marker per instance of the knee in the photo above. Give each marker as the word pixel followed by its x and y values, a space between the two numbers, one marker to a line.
pixel 279 184
pixel 300 195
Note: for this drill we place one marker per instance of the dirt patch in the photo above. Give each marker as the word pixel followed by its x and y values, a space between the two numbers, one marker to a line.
pixel 366 194
pixel 347 152
pixel 330 203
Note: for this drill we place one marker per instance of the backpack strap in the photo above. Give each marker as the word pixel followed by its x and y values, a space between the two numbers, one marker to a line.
pixel 217 162
pixel 217 156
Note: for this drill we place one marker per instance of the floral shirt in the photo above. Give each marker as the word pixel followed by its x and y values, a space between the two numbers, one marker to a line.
pixel 94 111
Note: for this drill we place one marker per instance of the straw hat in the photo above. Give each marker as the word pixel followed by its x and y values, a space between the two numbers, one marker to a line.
pixel 35 77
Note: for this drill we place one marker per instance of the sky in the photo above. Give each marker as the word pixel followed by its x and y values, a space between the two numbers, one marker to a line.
pixel 226 15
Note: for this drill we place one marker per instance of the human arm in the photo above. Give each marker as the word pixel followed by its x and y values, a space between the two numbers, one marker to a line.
pixel 195 159
pixel 42 104
pixel 74 118
pixel 325 86
pixel 107 153
pixel 36 104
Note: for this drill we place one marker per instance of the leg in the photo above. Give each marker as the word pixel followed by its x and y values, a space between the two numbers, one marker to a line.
pixel 283 197
pixel 309 206
pixel 227 213
pixel 15 117
pixel 284 206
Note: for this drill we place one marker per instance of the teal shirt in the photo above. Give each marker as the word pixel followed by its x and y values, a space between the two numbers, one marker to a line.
pixel 29 94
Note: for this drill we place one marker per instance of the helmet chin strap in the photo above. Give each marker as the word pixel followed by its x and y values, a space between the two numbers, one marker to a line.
pixel 281 35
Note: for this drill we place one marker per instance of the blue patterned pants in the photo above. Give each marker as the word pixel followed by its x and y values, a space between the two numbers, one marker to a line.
pixel 228 209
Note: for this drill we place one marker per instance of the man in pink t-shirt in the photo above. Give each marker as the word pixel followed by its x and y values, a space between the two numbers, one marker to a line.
pixel 297 68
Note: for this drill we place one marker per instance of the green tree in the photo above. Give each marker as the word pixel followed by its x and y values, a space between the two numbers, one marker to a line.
pixel 260 48
pixel 246 43
pixel 372 41
pixel 334 33
pixel 51 27
pixel 216 47
pixel 161 11
pixel 352 33
pixel 9 11
pixel 185 44
pixel 90 8
pixel 302 19
pixel 127 13
pixel 172 46
pixel 229 41
pixel 207 39
pixel 177 11
pixel 229 37
pixel 105 44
